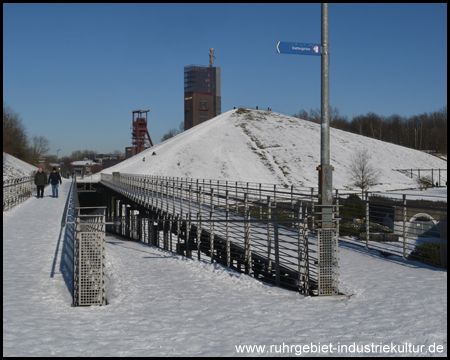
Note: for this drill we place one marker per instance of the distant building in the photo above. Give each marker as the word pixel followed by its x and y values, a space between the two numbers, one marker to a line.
pixel 202 94
pixel 83 167
pixel 110 162
pixel 130 151
pixel 40 162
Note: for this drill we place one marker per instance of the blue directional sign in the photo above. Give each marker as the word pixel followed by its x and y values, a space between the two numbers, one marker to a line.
pixel 298 48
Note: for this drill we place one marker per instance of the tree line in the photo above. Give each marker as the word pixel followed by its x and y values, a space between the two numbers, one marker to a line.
pixel 16 142
pixel 427 131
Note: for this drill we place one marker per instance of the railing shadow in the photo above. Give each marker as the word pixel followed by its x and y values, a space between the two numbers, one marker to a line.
pixel 66 264
pixel 67 236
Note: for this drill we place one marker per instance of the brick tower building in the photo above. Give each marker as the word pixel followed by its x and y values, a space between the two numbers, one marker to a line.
pixel 202 94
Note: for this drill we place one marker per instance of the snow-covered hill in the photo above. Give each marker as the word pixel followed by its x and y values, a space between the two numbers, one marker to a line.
pixel 15 168
pixel 267 147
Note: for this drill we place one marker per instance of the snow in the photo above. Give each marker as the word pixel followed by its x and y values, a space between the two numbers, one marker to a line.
pixel 15 168
pixel 266 147
pixel 82 162
pixel 161 304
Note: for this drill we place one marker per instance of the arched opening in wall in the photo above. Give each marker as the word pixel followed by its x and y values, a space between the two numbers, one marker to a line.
pixel 423 224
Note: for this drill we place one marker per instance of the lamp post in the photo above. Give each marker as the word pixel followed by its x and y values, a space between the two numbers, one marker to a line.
pixel 57 158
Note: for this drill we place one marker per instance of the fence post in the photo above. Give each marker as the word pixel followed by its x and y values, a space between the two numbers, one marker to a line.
pixel 292 203
pixel 367 220
pixel 227 217
pixel 190 198
pixel 211 235
pixel 188 231
pixel 167 196
pixel 306 249
pixel 300 240
pixel 247 238
pixel 269 239
pixel 337 214
pixel 404 226
pixel 198 193
pixel 199 233
pixel 312 210
pixel 277 252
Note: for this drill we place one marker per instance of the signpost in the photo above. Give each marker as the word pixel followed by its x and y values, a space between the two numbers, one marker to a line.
pixel 326 233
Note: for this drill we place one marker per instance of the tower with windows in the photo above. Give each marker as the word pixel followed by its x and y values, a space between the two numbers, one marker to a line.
pixel 202 94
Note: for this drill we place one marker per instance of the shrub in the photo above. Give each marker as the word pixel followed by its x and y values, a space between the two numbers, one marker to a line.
pixel 424 182
pixel 427 253
pixel 353 207
pixel 242 111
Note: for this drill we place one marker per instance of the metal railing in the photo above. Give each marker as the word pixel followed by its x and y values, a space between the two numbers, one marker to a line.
pixel 88 250
pixel 258 229
pixel 435 177
pixel 16 191
pixel 411 228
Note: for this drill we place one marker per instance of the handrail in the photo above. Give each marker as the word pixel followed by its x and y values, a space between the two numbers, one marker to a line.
pixel 64 216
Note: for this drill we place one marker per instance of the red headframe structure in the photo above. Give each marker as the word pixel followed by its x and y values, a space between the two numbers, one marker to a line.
pixel 140 137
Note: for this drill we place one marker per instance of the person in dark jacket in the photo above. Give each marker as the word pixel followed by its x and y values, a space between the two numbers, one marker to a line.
pixel 40 180
pixel 55 179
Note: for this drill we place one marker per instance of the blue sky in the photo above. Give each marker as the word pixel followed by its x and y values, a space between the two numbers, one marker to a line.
pixel 75 72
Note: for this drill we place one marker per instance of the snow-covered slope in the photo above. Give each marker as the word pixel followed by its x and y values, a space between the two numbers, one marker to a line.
pixel 267 147
pixel 15 168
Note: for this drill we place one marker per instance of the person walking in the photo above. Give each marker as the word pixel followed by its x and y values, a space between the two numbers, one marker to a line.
pixel 40 180
pixel 55 178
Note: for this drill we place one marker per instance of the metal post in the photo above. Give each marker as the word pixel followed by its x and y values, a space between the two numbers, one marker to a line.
pixel 211 239
pixel 227 214
pixel 367 220
pixel 313 219
pixel 277 250
pixel 199 234
pixel 337 213
pixel 247 236
pixel 404 226
pixel 325 169
pixel 327 271
pixel 269 240
pixel 188 231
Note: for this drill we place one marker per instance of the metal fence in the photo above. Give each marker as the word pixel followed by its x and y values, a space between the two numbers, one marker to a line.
pixel 411 228
pixel 427 177
pixel 16 191
pixel 88 250
pixel 258 229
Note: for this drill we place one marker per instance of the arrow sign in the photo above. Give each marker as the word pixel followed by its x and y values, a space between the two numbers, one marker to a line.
pixel 298 48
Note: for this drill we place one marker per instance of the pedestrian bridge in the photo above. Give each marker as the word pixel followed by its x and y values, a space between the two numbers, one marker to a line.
pixel 261 230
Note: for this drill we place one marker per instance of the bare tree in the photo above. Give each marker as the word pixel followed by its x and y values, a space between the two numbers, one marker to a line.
pixel 39 146
pixel 302 114
pixel 15 140
pixel 172 132
pixel 118 153
pixel 362 173
pixel 315 115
